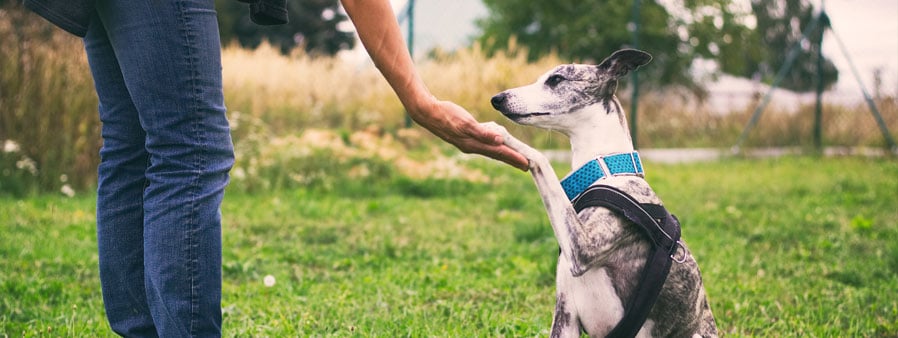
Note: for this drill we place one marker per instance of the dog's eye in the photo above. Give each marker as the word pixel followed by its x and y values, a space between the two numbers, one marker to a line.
pixel 554 80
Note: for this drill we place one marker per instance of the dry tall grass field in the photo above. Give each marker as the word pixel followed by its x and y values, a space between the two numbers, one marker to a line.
pixel 291 93
pixel 50 130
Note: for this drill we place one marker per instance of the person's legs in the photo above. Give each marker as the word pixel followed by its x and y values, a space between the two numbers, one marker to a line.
pixel 121 180
pixel 170 58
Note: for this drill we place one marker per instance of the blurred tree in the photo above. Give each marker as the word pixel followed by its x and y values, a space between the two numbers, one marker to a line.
pixel 676 34
pixel 589 30
pixel 780 24
pixel 314 26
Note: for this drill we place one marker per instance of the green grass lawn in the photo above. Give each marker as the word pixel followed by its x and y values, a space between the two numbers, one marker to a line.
pixel 788 247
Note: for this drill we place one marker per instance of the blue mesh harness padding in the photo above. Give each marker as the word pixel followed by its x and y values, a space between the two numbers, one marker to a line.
pixel 604 166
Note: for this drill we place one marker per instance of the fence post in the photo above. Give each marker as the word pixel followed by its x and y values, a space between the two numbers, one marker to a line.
pixel 818 108
pixel 780 75
pixel 634 79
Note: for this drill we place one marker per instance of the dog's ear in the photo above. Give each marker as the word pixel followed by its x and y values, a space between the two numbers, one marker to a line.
pixel 623 61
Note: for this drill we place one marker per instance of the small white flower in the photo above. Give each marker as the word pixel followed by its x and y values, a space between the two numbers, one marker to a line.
pixel 27 164
pixel 268 281
pixel 63 178
pixel 233 121
pixel 238 173
pixel 10 146
pixel 67 190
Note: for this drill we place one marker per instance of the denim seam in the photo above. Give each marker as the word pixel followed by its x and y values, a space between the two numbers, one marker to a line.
pixel 192 224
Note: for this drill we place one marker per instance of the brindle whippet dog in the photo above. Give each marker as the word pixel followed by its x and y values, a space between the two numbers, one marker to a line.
pixel 602 254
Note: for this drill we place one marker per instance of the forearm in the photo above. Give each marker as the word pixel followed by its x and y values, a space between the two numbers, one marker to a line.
pixel 379 31
pixel 377 27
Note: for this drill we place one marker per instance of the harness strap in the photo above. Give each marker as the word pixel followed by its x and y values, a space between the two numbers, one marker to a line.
pixel 663 230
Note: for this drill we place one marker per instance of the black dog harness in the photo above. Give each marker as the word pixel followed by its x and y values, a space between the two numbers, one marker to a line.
pixel 663 231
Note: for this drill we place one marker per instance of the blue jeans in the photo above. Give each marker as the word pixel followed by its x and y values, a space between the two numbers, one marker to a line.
pixel 164 164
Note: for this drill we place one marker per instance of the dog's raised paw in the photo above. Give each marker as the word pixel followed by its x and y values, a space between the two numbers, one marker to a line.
pixel 495 127
pixel 531 154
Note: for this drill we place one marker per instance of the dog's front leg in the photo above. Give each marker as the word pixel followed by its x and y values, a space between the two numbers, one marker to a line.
pixel 562 216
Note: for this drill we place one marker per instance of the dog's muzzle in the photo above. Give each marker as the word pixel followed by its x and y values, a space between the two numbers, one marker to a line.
pixel 501 103
pixel 498 101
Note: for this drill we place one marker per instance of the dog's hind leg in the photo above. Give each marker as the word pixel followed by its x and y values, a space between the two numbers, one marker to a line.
pixel 564 322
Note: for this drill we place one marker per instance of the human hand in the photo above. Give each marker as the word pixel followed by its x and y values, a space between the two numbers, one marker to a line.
pixel 455 125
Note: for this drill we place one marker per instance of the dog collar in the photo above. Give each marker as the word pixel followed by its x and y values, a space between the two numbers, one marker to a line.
pixel 602 167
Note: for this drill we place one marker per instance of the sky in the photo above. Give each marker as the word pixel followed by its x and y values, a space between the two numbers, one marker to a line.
pixel 448 24
pixel 868 28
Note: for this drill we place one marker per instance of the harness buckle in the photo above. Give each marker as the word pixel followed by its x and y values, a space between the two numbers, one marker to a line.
pixel 679 255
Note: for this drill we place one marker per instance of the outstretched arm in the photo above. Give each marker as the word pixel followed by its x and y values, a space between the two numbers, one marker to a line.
pixel 377 27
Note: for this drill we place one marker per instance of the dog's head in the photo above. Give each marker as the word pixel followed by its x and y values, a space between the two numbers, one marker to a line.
pixel 568 89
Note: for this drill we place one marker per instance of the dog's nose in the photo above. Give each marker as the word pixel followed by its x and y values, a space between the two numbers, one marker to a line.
pixel 499 100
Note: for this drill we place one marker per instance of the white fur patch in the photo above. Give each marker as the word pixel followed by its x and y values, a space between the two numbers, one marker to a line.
pixel 592 297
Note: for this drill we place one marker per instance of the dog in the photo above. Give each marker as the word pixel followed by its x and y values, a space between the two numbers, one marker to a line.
pixel 602 254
